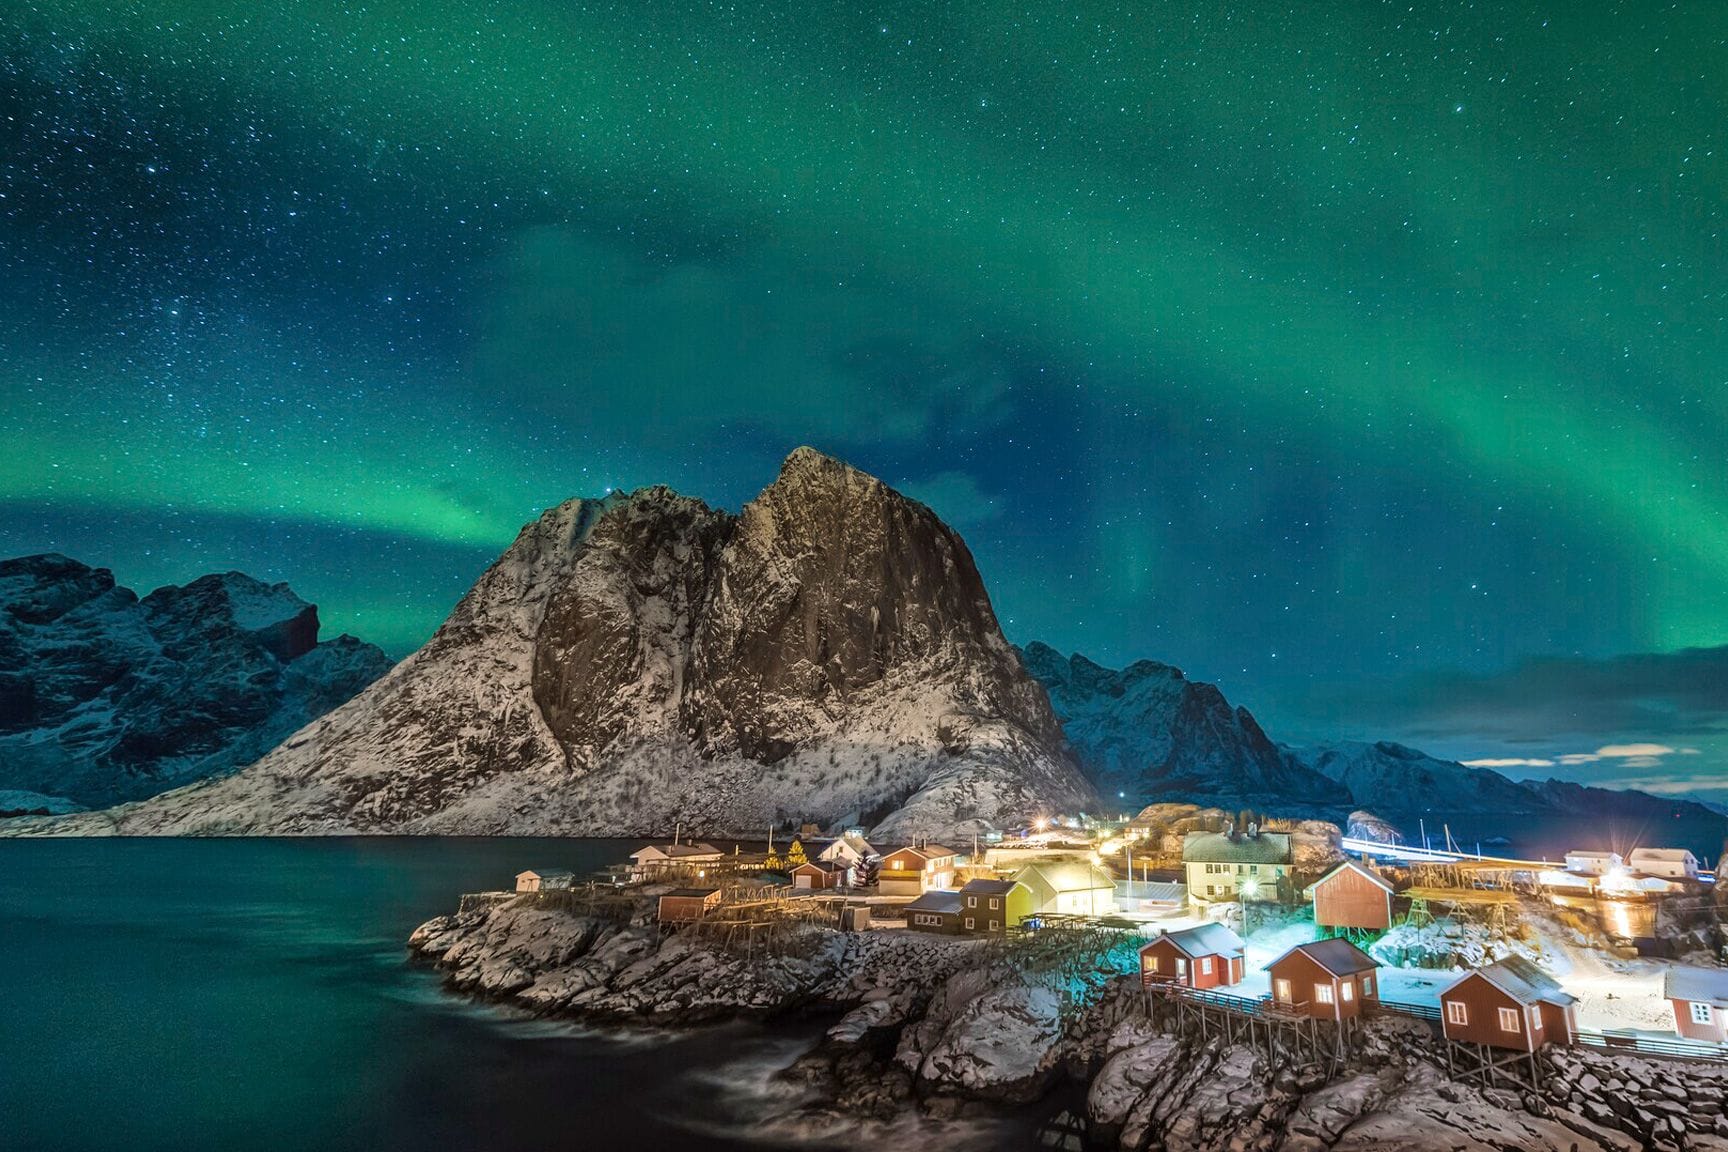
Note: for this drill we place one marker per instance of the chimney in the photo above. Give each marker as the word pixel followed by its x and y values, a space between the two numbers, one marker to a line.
pixel 1253 831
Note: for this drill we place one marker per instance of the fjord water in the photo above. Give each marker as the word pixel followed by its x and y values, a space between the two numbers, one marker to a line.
pixel 255 994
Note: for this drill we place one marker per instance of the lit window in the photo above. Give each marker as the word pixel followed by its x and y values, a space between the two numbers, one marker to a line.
pixel 1508 1020
pixel 1151 963
pixel 1323 993
pixel 1281 991
pixel 1457 1012
pixel 1700 1013
pixel 1349 991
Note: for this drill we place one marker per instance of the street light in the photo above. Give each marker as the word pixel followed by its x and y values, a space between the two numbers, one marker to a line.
pixel 1249 888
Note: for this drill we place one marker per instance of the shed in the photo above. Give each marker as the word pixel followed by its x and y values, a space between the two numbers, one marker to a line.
pixel 1352 896
pixel 544 879
pixel 1328 980
pixel 912 871
pixel 935 911
pixel 1206 956
pixel 1587 863
pixel 682 905
pixel 1668 863
pixel 1700 1000
pixel 1508 1004
pixel 994 906
pixel 819 874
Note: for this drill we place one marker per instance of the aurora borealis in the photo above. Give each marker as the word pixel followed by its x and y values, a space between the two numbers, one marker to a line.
pixel 1341 360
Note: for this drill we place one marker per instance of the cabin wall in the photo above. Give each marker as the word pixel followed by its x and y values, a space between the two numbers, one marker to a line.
pixel 1351 900
pixel 1716 1031
pixel 1304 975
pixel 1482 1003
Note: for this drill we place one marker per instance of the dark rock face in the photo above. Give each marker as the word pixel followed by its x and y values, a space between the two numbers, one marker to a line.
pixel 830 655
pixel 107 697
pixel 1147 733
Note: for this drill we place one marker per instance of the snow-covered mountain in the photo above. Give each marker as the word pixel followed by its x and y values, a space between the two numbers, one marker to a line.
pixel 829 655
pixel 1392 780
pixel 1147 734
pixel 106 697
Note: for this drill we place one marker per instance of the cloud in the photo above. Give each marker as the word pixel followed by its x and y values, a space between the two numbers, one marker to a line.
pixel 1509 762
pixel 1629 703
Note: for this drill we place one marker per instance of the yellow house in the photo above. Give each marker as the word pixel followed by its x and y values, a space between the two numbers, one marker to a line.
pixel 1068 888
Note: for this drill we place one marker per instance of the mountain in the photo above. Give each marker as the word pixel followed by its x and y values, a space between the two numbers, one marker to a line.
pixel 106 697
pixel 1393 780
pixel 830 654
pixel 1148 733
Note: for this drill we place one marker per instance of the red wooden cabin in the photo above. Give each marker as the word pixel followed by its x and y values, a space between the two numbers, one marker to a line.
pixel 1207 956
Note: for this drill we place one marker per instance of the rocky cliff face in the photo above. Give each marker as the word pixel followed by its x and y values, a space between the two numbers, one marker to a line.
pixel 1147 733
pixel 828 655
pixel 106 697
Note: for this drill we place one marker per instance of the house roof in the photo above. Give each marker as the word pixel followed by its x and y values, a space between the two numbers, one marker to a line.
pixel 1154 890
pixel 1592 854
pixel 936 900
pixel 1699 985
pixel 1670 855
pixel 546 873
pixel 858 845
pixel 1204 940
pixel 1056 876
pixel 822 865
pixel 678 851
pixel 1217 848
pixel 928 851
pixel 989 887
pixel 1521 980
pixel 1337 955
pixel 702 892
pixel 1348 866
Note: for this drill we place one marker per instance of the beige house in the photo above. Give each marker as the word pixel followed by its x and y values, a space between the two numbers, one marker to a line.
pixel 1232 865
pixel 913 871
pixel 544 879
pixel 663 857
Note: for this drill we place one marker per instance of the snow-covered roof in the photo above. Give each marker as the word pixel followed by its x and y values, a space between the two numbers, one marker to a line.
pixel 936 900
pixel 676 851
pixel 1666 855
pixel 1697 985
pixel 1066 876
pixel 1337 955
pixel 1157 891
pixel 1592 854
pixel 547 873
pixel 1521 980
pixel 1348 866
pixel 928 851
pixel 1204 940
pixel 989 887
pixel 1241 848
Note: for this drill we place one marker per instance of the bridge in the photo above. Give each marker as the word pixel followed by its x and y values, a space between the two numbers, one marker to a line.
pixel 1409 854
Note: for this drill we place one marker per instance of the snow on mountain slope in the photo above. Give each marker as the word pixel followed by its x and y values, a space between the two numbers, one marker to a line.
pixel 106 697
pixel 1148 734
pixel 829 655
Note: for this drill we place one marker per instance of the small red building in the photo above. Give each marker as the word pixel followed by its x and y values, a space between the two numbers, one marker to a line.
pixel 1351 896
pixel 1208 956
pixel 1328 980
pixel 1508 1004
pixel 1700 1000
pixel 819 874
pixel 682 905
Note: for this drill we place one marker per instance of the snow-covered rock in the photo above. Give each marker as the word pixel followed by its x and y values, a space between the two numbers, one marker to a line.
pixel 107 697
pixel 829 655
pixel 1148 733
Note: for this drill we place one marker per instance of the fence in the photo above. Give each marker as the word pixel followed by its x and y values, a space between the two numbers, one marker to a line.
pixel 1632 1042
pixel 1418 1011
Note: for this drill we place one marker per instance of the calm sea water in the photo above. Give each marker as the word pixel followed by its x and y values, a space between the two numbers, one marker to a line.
pixel 255 994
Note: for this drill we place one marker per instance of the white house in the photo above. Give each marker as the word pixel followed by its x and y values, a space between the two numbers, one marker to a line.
pixel 1593 863
pixel 1668 863
pixel 1069 887
pixel 1222 866
pixel 851 850
pixel 660 857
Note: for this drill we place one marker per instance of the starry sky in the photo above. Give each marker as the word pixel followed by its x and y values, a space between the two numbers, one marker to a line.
pixel 1373 366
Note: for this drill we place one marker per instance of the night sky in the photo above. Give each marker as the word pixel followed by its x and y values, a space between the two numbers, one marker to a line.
pixel 1373 364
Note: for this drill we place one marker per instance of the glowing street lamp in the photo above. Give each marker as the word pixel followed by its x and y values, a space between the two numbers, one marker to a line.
pixel 1248 890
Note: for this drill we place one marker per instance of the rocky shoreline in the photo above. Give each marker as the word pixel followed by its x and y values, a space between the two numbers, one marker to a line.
pixel 945 1027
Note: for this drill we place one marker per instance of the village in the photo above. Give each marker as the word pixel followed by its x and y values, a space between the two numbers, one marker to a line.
pixel 1282 922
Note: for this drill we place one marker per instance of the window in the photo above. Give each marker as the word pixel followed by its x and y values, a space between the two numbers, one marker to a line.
pixel 1508 1020
pixel 1367 985
pixel 1151 963
pixel 971 901
pixel 1181 967
pixel 1700 1013
pixel 968 923
pixel 995 903
pixel 1349 991
pixel 1457 1012
pixel 1206 966
pixel 1323 993
pixel 1281 991
pixel 995 925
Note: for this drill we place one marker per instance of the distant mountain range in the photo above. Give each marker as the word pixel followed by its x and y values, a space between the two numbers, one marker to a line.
pixel 106 697
pixel 628 664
